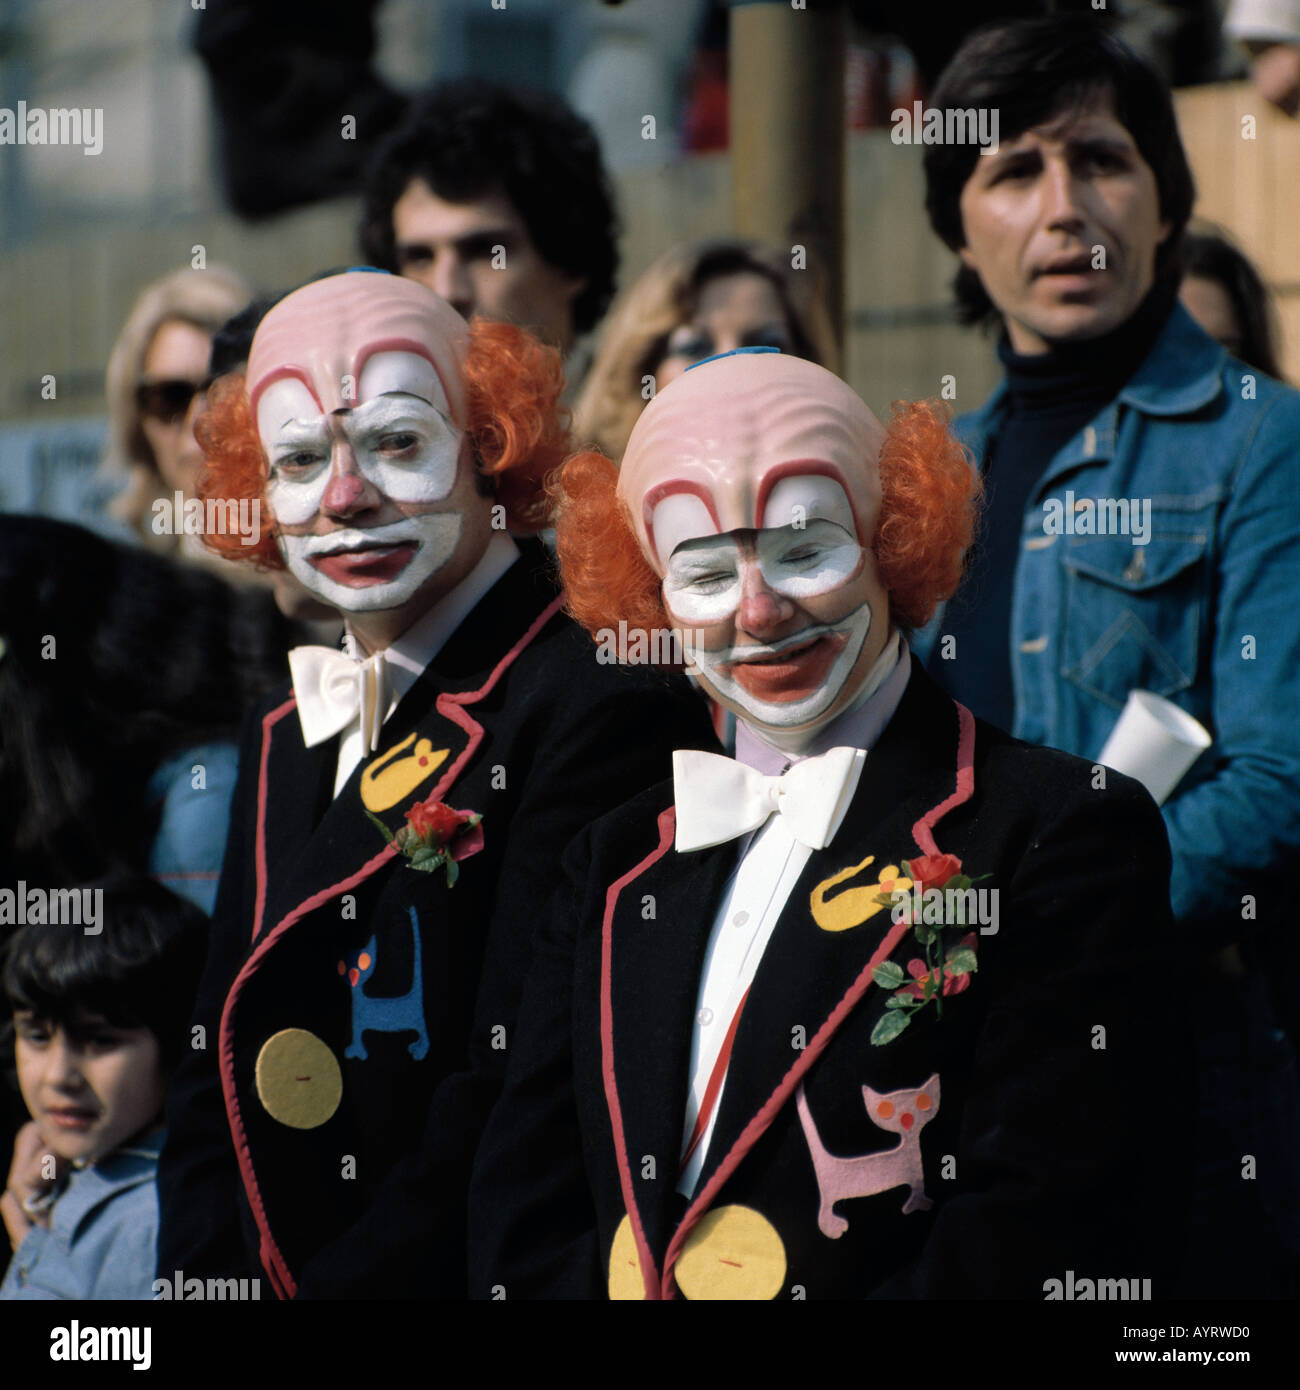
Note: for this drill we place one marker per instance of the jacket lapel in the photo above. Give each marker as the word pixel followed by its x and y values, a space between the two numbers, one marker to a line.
pixel 654 982
pixel 425 747
pixel 817 967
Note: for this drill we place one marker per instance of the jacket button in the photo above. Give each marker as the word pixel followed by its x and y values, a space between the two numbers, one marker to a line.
pixel 299 1081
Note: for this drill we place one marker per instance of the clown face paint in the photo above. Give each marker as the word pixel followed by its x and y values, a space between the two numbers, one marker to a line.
pixel 703 581
pixel 357 387
pixel 752 484
pixel 365 570
pixel 403 445
pixel 810 588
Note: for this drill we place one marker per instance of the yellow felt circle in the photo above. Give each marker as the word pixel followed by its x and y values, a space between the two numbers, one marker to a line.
pixel 298 1079
pixel 734 1252
pixel 625 1281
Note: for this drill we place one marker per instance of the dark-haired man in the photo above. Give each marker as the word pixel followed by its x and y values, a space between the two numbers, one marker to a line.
pixel 497 200
pixel 1140 532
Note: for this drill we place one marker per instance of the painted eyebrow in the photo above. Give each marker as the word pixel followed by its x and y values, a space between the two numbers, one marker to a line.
pixel 401 407
pixel 703 555
pixel 300 430
pixel 699 559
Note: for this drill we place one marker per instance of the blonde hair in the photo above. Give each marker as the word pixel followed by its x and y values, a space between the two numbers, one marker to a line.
pixel 202 298
pixel 636 335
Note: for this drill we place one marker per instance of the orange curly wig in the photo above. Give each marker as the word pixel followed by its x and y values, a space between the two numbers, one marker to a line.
pixel 929 498
pixel 519 430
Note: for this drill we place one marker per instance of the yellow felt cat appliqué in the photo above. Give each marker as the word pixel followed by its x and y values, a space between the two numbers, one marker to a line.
pixel 391 778
pixel 853 906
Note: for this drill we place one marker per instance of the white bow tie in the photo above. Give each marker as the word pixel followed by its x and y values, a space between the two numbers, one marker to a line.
pixel 333 689
pixel 719 799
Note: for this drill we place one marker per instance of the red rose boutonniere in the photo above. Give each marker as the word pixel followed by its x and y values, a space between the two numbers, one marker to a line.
pixel 436 836
pixel 936 903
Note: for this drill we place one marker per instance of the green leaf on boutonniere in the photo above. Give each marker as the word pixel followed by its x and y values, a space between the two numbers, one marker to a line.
pixel 901 1001
pixel 957 883
pixel 925 933
pixel 962 961
pixel 905 869
pixel 422 856
pixel 888 1027
pixel 387 833
pixel 888 975
pixel 453 872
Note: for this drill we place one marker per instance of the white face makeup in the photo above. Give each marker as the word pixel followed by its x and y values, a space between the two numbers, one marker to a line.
pixel 793 680
pixel 434 536
pixel 703 581
pixel 798 500
pixel 402 444
pixel 718 669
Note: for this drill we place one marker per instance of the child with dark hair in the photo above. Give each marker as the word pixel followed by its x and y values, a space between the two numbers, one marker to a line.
pixel 99 1022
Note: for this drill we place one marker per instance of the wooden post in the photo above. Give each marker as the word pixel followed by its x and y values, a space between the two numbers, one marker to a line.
pixel 787 133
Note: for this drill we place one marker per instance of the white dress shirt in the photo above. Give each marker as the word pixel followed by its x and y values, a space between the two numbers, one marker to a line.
pixel 406 658
pixel 756 895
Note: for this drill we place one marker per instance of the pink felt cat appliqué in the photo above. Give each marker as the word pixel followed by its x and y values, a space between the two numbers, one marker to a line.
pixel 904 1113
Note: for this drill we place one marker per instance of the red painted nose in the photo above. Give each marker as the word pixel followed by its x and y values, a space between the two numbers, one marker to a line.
pixel 905 1119
pixel 343 491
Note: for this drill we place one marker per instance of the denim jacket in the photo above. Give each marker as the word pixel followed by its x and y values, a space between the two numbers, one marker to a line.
pixel 1207 613
pixel 103 1233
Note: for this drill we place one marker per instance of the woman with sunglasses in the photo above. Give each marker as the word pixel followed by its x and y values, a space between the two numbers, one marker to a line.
pixel 157 376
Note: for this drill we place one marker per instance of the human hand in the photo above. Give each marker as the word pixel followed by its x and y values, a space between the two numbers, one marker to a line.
pixel 33 1174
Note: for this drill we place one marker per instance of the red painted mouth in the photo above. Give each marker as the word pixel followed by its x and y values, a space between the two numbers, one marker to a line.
pixel 792 675
pixel 366 566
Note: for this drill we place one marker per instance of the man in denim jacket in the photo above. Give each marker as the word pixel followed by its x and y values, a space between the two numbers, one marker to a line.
pixel 1141 532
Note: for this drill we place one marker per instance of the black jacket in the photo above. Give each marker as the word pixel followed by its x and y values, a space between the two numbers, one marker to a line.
pixel 1050 1103
pixel 357 1014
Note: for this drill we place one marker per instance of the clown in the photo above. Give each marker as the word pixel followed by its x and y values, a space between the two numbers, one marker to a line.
pixel 824 1069
pixel 401 806
pixel 757 532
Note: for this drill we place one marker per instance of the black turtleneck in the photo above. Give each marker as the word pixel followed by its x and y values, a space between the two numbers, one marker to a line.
pixel 1051 396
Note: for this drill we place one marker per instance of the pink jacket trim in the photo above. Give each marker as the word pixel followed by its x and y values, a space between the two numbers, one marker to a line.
pixel 649 1273
pixel 965 788
pixel 452 707
pixel 259 845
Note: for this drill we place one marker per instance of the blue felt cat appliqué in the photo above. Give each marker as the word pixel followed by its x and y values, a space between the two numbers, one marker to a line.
pixel 395 1013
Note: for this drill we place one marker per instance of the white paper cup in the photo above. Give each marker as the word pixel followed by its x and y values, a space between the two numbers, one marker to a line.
pixel 1155 742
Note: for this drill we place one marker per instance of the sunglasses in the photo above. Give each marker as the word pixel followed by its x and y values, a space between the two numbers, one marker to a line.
pixel 167 401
